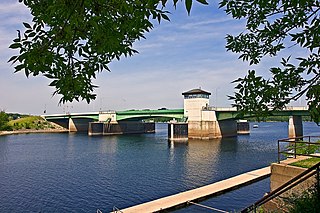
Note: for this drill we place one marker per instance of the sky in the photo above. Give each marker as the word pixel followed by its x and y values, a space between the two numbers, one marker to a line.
pixel 186 53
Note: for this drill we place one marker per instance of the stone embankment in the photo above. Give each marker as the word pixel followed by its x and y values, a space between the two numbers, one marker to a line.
pixel 26 131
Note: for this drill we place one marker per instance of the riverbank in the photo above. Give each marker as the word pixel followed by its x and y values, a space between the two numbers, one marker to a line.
pixel 27 131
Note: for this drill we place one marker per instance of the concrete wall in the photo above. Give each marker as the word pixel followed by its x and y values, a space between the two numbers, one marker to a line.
pixel 282 173
pixel 212 129
pixel 193 106
pixel 104 116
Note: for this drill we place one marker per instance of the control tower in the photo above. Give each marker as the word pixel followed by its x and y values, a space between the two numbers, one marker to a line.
pixel 194 101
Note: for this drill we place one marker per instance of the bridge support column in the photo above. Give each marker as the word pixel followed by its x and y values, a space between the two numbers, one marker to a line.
pixel 206 126
pixel 72 127
pixel 295 126
pixel 177 131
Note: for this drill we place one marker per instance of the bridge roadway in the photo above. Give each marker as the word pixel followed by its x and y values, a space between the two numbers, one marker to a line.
pixel 222 114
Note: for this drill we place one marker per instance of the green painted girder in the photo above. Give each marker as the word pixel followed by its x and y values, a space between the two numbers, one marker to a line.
pixel 225 115
pixel 80 116
pixel 145 114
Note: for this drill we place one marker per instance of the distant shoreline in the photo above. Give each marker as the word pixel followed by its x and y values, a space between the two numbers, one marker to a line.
pixel 27 131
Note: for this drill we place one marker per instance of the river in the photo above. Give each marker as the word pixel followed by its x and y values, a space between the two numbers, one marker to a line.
pixel 76 173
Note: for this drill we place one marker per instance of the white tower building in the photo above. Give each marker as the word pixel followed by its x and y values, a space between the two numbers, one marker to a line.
pixel 194 101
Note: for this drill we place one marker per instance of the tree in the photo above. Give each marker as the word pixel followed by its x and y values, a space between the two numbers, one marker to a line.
pixel 70 41
pixel 271 26
pixel 4 119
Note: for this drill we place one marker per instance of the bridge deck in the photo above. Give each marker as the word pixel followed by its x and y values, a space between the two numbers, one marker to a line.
pixel 202 192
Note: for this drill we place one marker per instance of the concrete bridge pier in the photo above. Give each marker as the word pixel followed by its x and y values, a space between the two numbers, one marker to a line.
pixel 212 129
pixel 177 131
pixel 295 126
pixel 79 124
pixel 72 127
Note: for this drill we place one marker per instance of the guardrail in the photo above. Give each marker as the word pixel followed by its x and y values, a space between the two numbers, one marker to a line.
pixel 299 146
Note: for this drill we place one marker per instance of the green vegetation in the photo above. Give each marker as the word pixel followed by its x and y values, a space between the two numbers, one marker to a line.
pixel 309 202
pixel 301 147
pixel 30 122
pixel 307 163
pixel 273 26
pixel 4 119
pixel 69 42
pixel 276 118
pixel 15 121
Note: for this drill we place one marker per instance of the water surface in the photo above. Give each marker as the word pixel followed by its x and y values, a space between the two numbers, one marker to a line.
pixel 77 173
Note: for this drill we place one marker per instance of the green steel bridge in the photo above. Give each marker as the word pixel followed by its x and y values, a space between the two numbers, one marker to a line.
pixel 81 121
pixel 135 115
pixel 232 113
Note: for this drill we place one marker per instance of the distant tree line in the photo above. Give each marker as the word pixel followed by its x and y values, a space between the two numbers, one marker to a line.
pixel 277 118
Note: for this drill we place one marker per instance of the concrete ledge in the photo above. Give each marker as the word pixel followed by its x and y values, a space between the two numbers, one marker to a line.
pixel 282 173
pixel 181 199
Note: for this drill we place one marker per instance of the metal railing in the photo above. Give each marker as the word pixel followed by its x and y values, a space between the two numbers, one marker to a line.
pixel 299 146
pixel 314 170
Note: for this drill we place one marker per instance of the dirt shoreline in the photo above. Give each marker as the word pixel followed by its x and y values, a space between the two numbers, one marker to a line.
pixel 27 131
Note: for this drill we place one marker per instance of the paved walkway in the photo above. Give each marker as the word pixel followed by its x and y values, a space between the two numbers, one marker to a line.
pixel 202 192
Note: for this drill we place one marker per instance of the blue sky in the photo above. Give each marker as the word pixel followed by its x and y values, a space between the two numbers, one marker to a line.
pixel 187 52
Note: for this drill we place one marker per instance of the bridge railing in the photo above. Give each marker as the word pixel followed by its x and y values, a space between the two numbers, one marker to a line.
pixel 299 146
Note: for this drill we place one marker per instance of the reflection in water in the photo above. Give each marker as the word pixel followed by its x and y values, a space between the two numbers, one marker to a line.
pixel 108 145
pixel 3 148
pixel 201 161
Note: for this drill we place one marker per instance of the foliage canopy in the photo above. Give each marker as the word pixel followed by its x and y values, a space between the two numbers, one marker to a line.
pixel 70 41
pixel 271 26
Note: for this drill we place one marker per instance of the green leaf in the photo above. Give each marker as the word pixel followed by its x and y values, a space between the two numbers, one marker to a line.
pixel 188 5
pixel 203 2
pixel 27 25
pixel 15 46
pixel 12 58
pixel 19 67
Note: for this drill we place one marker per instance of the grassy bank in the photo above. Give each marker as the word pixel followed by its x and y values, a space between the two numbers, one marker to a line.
pixel 31 123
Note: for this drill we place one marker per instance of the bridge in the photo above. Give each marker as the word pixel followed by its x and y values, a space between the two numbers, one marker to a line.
pixel 79 121
pixel 130 115
pixel 200 120
pixel 225 113
pixel 222 113
pixel 224 116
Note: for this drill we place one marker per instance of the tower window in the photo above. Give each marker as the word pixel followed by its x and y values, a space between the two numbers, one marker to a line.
pixel 191 96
